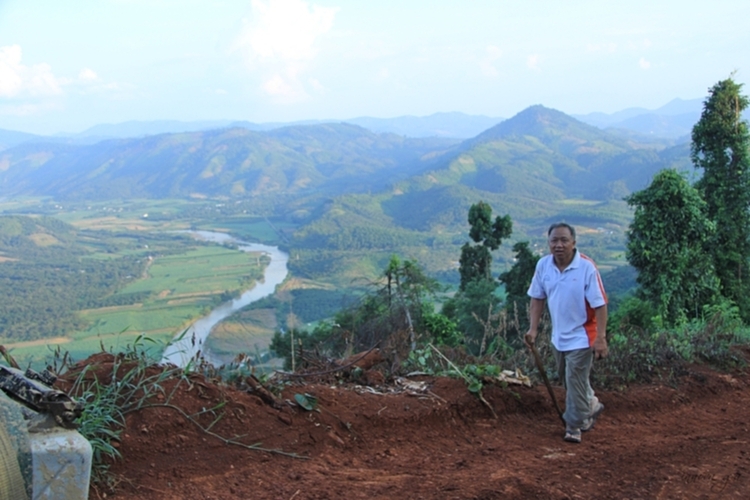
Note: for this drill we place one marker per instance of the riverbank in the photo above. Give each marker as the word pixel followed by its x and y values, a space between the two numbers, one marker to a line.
pixel 189 343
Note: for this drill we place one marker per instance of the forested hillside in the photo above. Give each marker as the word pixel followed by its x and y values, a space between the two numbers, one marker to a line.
pixel 539 166
pixel 49 271
pixel 349 198
pixel 233 163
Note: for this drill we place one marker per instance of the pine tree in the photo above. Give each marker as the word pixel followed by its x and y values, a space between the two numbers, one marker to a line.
pixel 720 143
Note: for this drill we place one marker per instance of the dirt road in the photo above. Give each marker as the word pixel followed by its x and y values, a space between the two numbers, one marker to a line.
pixel 651 442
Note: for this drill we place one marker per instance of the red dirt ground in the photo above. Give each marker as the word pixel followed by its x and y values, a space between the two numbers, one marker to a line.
pixel 651 442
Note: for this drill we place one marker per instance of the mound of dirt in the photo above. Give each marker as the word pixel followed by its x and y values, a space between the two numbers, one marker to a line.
pixel 430 438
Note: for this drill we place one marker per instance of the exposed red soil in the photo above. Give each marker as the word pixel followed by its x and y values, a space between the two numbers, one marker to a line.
pixel 651 442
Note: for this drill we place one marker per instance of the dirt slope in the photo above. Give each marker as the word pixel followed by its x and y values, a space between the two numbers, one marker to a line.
pixel 438 441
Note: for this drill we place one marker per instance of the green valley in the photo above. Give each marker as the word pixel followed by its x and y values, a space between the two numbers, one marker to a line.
pixel 339 199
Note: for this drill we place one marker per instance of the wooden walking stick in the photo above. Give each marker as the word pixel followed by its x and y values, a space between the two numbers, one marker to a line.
pixel 543 373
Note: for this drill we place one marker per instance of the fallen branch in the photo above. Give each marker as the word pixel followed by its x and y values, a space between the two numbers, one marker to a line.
pixel 254 447
pixel 332 370
pixel 254 385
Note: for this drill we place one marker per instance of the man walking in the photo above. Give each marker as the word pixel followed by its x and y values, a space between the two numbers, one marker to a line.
pixel 570 284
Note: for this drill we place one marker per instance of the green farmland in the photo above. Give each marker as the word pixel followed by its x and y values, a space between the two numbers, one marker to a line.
pixel 182 280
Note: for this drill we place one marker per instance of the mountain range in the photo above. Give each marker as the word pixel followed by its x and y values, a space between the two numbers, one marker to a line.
pixel 528 165
pixel 673 121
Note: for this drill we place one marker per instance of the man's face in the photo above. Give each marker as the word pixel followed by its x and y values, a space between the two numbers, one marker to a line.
pixel 562 245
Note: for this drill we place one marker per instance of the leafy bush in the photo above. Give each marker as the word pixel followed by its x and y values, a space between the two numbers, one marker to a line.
pixel 639 354
pixel 442 329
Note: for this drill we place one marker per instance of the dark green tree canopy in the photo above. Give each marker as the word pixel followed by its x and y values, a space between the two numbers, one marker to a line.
pixel 484 230
pixel 720 148
pixel 668 243
pixel 518 278
pixel 517 281
pixel 476 260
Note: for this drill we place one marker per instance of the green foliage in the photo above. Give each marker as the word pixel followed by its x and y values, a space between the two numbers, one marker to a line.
pixel 720 147
pixel 476 260
pixel 307 304
pixel 642 350
pixel 668 243
pixel 690 245
pixel 422 360
pixel 443 330
pixel 633 314
pixel 429 359
pixel 517 281
pixel 49 274
pixel 472 309
pixel 397 302
pixel 476 300
pixel 475 374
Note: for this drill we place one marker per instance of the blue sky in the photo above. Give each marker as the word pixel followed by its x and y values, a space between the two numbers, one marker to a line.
pixel 68 65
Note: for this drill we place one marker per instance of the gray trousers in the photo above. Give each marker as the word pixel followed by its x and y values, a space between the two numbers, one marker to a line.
pixel 574 368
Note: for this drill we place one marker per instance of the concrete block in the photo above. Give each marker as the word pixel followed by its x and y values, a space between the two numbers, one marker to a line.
pixel 61 463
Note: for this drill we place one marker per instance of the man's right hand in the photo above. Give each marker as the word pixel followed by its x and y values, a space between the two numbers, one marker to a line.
pixel 530 338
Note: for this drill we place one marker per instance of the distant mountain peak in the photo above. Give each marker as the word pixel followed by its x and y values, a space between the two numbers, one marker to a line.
pixel 538 121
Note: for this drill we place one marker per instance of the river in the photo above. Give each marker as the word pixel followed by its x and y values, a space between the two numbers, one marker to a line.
pixel 181 352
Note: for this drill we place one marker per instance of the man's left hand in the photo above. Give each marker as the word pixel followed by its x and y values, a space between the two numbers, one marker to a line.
pixel 601 350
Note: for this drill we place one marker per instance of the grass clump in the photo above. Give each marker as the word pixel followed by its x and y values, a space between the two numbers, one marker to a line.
pixel 122 383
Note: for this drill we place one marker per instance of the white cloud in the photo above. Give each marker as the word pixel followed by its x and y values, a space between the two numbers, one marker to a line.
pixel 316 85
pixel 17 79
pixel 284 90
pixel 276 86
pixel 87 75
pixel 11 81
pixel 644 64
pixel 487 64
pixel 533 62
pixel 280 39
pixel 285 29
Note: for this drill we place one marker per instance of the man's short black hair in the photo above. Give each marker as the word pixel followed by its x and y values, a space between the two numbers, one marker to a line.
pixel 562 224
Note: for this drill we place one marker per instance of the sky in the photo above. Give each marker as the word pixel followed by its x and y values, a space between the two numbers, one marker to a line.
pixel 68 65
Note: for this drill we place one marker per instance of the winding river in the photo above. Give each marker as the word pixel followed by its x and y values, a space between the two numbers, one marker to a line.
pixel 181 352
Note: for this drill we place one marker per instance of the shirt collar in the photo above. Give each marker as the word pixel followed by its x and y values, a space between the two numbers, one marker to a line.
pixel 576 259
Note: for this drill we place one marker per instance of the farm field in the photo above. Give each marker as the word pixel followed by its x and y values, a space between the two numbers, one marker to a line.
pixel 181 289
pixel 183 280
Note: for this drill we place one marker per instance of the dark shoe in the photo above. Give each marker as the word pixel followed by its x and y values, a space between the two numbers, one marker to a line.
pixel 573 435
pixel 588 424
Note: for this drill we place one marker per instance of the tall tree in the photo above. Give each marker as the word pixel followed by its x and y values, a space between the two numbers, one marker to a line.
pixel 668 244
pixel 407 283
pixel 476 260
pixel 476 301
pixel 517 281
pixel 720 143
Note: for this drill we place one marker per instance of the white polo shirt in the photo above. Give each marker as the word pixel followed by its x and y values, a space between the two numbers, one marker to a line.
pixel 572 296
